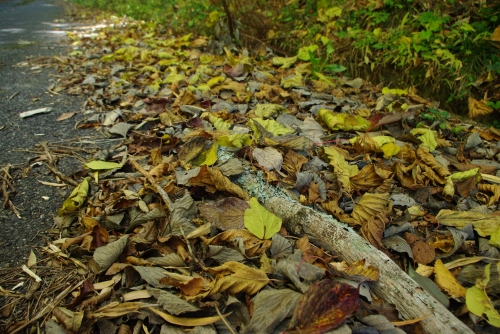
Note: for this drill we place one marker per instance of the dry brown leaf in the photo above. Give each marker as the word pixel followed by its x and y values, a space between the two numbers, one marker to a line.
pixel 235 277
pixel 116 309
pixel 427 158
pixel 213 179
pixel 226 214
pixel 496 34
pixel 65 116
pixel 373 230
pixel 422 252
pixel 70 320
pixel 478 108
pixel 370 205
pixel 337 212
pixel 367 178
pixel 293 161
pixel 447 282
pixel 357 271
pixel 491 188
pixel 190 286
pixel 253 245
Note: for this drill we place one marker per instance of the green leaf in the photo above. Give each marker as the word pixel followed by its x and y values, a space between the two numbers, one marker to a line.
pixel 102 165
pixel 262 223
pixel 76 199
pixel 283 62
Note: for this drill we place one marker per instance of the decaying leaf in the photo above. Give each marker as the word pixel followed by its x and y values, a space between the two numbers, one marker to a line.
pixel 106 255
pixel 324 306
pixel 252 246
pixel 358 271
pixel 271 306
pixel 186 321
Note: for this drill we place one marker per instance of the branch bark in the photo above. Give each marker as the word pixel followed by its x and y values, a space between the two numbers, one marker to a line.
pixel 394 285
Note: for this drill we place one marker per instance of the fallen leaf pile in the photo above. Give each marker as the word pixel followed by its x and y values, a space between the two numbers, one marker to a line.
pixel 167 236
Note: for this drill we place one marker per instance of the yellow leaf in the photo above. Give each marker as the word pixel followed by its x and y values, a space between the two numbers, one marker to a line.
pixel 213 179
pixel 485 225
pixel 76 199
pixel 191 322
pixel 447 282
pixel 399 92
pixel 237 140
pixel 102 165
pixel 340 166
pixel 293 81
pixel 390 149
pixel 462 176
pixel 208 157
pixel 341 121
pixel 215 81
pixel 370 205
pixel 258 220
pixel 270 125
pixel 219 123
pixel 267 110
pixel 283 62
pixel 235 277
pixel 426 136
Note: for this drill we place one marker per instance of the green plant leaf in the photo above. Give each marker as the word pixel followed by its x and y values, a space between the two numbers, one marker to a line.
pixel 262 223
pixel 304 52
pixel 102 165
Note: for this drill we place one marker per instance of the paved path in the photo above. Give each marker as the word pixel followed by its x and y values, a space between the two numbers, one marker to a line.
pixel 29 30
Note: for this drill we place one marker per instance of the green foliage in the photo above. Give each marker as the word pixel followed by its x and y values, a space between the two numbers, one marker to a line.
pixel 178 15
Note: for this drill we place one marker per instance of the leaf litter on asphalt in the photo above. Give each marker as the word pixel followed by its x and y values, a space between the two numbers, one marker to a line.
pixel 175 235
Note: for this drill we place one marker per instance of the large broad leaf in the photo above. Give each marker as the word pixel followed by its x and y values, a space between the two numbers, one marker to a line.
pixel 270 307
pixel 324 306
pixel 262 223
pixel 105 256
pixel 447 282
pixel 484 224
pixel 235 277
pixel 171 303
pixel 478 301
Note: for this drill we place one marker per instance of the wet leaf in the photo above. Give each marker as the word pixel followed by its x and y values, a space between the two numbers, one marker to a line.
pixel 324 306
pixel 258 220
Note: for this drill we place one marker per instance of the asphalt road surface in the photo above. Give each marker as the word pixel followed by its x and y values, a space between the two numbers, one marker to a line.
pixel 30 30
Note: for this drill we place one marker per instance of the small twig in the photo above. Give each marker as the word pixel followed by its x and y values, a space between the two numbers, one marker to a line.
pixel 224 319
pixel 63 177
pixel 48 153
pixel 49 307
pixel 163 193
